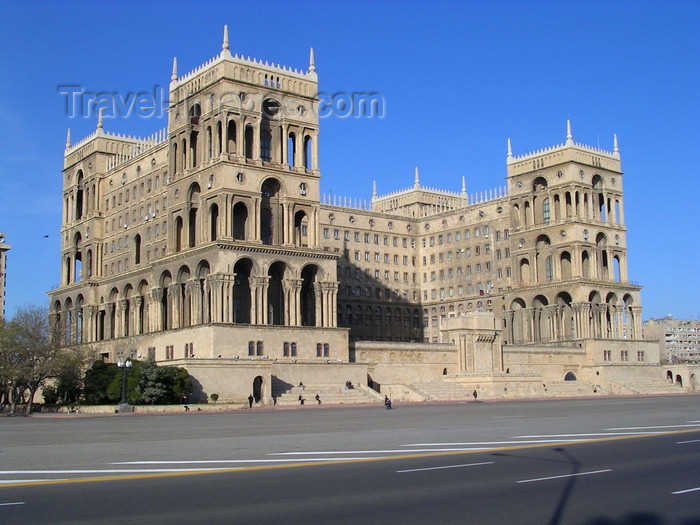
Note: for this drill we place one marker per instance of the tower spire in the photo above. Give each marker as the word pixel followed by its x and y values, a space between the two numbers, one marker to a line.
pixel 225 51
pixel 173 77
pixel 616 150
pixel 416 180
pixel 374 190
pixel 510 150
pixel 99 122
pixel 569 137
pixel 312 67
pixel 68 139
pixel 464 185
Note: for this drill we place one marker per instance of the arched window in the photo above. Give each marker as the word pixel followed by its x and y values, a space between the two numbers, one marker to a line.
pixel 569 376
pixel 545 211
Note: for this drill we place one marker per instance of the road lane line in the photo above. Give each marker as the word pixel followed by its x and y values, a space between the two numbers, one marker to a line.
pixel 227 461
pixel 12 503
pixel 686 491
pixel 529 442
pixel 30 480
pixel 396 451
pixel 444 467
pixel 691 441
pixel 657 426
pixel 104 471
pixel 592 435
pixel 565 476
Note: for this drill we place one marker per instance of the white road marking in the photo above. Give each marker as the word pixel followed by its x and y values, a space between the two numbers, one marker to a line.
pixel 444 467
pixel 13 503
pixel 691 441
pixel 399 451
pixel 226 461
pixel 529 442
pixel 686 491
pixel 592 435
pixel 29 480
pixel 657 426
pixel 565 476
pixel 105 471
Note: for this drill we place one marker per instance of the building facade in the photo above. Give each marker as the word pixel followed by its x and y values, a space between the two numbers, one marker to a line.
pixel 4 248
pixel 210 244
pixel 679 339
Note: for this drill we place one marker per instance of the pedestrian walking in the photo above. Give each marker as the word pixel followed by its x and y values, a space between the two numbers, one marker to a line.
pixel 301 399
pixel 250 401
pixel 318 398
pixel 387 402
pixel 475 394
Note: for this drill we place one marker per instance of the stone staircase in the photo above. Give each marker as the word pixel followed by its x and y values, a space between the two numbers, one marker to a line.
pixel 654 387
pixel 329 394
pixel 444 391
pixel 572 389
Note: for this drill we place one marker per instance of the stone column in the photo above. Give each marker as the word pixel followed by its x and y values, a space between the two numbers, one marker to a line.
pixel 155 311
pixel 195 292
pixel 175 301
pixel 109 309
pixel 136 303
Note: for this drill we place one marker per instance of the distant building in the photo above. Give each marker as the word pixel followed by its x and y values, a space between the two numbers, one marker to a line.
pixel 3 279
pixel 679 339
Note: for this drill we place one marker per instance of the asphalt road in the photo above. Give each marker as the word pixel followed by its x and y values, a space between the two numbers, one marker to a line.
pixel 602 461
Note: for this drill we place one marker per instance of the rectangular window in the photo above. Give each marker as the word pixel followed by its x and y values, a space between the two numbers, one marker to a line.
pixel 259 348
pixel 318 349
pixel 294 349
pixel 325 233
pixel 326 350
pixel 251 347
pixel 285 349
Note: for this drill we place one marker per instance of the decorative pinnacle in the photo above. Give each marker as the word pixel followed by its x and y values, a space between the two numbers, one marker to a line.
pixel 615 148
pixel 510 151
pixel 68 139
pixel 569 137
pixel 224 46
pixel 416 181
pixel 312 67
pixel 374 189
pixel 173 77
pixel 99 118
pixel 464 185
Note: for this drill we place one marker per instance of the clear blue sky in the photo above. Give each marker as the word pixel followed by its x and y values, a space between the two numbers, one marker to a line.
pixel 458 79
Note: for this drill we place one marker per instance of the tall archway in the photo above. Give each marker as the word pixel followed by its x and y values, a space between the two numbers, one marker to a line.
pixel 566 328
pixel 258 389
pixel 542 319
pixel 275 294
pixel 309 276
pixel 240 221
pixel 301 229
pixel 271 213
pixel 241 291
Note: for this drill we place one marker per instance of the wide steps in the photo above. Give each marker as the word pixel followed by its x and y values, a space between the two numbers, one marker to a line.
pixel 329 394
pixel 571 389
pixel 442 391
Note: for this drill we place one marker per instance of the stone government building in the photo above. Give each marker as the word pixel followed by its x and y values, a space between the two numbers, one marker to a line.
pixel 209 245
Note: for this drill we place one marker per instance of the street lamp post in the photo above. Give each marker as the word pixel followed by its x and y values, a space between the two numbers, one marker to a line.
pixel 125 365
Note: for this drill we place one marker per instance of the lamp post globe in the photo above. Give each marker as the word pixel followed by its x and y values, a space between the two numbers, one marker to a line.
pixel 125 365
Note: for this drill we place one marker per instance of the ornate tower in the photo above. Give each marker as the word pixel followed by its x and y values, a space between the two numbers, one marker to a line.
pixel 568 247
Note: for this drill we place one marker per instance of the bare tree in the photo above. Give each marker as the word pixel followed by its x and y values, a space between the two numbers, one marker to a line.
pixel 31 352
